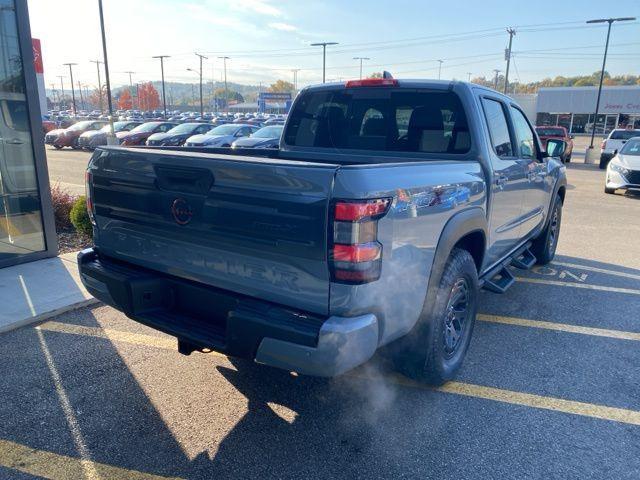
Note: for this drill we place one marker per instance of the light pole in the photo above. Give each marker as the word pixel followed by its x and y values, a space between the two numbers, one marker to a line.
pixel 361 59
pixel 73 92
pixel 440 68
pixel 193 94
pixel 131 87
pixel 200 72
pixel 61 96
pixel 324 56
pixel 295 79
pixel 98 62
pixel 111 137
pixel 164 101
pixel 226 91
pixel 469 76
pixel 604 61
pixel 82 107
pixel 495 80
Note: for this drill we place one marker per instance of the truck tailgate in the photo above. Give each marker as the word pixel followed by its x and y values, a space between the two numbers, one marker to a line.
pixel 255 226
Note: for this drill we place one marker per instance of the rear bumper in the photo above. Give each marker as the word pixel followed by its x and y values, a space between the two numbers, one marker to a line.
pixel 206 317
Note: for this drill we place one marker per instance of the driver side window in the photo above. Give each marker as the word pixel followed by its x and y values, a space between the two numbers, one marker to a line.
pixel 526 142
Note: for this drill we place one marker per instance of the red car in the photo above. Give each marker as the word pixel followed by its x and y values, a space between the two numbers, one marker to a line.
pixel 559 133
pixel 139 135
pixel 48 125
pixel 69 136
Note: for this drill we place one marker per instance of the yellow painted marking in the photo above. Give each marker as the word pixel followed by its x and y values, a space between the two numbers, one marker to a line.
pixel 457 388
pixel 601 412
pixel 591 410
pixel 586 286
pixel 560 327
pixel 598 270
pixel 109 334
pixel 50 465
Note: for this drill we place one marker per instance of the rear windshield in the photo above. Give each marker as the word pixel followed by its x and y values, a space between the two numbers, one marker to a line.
pixel 624 134
pixel 550 132
pixel 380 119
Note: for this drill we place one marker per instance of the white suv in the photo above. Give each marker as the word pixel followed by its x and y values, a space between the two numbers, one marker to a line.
pixel 613 143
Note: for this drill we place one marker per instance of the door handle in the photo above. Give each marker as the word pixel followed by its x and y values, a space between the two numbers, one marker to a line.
pixel 501 180
pixel 13 141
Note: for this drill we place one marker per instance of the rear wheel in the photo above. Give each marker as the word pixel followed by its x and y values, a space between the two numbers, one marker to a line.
pixel 603 163
pixel 544 246
pixel 58 147
pixel 434 351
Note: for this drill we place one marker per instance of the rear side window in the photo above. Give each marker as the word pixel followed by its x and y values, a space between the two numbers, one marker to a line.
pixel 498 127
pixel 380 119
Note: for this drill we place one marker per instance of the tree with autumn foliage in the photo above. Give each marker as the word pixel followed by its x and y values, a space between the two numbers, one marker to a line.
pixel 281 86
pixel 148 97
pixel 125 101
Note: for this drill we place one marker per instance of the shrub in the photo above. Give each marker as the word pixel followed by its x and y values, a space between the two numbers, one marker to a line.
pixel 80 217
pixel 62 203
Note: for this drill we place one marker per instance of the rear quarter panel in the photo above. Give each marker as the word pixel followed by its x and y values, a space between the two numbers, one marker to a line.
pixel 425 196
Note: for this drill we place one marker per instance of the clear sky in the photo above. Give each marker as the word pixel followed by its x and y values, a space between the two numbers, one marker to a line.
pixel 266 39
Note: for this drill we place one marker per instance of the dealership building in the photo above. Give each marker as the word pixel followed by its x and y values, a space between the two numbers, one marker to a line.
pixel 573 108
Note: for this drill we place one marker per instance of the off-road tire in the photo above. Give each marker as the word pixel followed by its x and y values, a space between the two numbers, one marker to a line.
pixel 544 246
pixel 424 354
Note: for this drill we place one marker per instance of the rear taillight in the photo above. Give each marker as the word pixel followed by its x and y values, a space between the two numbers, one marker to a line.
pixel 603 145
pixel 89 195
pixel 355 253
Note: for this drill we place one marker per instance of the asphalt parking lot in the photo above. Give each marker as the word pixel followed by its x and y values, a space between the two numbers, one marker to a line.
pixel 550 387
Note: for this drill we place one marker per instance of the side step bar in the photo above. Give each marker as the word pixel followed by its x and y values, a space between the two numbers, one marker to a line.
pixel 500 281
pixel 500 278
pixel 525 260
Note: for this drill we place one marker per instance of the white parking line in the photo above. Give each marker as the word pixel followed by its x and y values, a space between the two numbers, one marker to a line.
pixel 586 286
pixel 597 270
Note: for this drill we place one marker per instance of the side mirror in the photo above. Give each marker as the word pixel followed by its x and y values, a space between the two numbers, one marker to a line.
pixel 556 148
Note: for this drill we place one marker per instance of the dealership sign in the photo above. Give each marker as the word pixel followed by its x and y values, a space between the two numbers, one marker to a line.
pixel 38 66
pixel 37 55
pixel 628 107
pixel 274 100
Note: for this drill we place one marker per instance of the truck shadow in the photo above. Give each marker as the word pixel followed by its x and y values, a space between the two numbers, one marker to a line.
pixel 148 409
pixel 85 397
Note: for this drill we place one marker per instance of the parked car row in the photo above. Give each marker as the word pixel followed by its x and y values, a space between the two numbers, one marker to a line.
pixel 89 134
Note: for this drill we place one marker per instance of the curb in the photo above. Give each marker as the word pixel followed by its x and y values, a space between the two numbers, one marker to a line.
pixel 47 315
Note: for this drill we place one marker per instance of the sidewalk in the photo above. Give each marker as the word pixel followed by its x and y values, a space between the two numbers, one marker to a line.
pixel 33 291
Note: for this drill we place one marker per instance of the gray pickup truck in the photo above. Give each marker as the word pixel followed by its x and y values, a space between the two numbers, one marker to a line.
pixel 388 205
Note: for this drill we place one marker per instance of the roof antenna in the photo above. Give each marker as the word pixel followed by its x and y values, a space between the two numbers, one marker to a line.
pixel 386 74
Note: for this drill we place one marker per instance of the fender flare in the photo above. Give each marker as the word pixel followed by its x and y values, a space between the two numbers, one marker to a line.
pixel 463 223
pixel 560 182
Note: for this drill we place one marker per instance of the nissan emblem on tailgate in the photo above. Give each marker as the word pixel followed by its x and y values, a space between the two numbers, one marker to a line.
pixel 181 211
